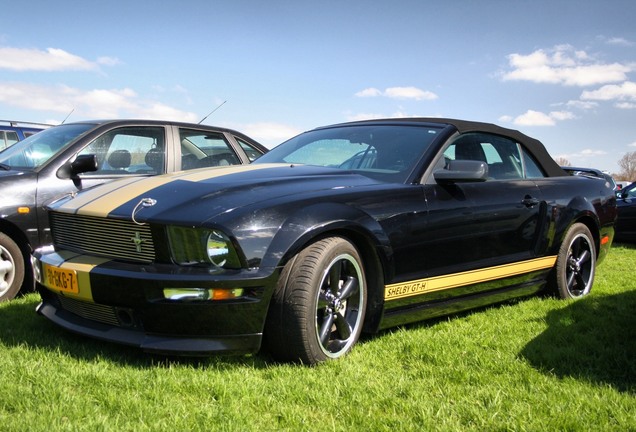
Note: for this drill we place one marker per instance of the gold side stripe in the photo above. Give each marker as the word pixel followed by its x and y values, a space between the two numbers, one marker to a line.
pixel 103 200
pixel 439 283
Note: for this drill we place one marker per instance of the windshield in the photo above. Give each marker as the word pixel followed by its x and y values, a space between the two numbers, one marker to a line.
pixel 383 152
pixel 36 150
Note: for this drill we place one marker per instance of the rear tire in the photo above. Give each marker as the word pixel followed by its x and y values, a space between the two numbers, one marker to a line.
pixel 576 263
pixel 11 268
pixel 318 306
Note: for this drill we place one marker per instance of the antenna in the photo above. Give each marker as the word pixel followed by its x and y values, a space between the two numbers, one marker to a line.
pixel 211 112
pixel 69 114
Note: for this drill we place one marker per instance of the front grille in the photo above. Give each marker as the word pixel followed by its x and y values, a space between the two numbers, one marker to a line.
pixel 91 311
pixel 112 238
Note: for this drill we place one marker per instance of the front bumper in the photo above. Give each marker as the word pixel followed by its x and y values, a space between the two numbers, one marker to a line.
pixel 126 303
pixel 161 344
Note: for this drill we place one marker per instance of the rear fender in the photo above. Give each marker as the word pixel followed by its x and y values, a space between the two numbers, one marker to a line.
pixel 579 209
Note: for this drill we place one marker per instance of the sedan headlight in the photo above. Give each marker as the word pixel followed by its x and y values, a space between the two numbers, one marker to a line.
pixel 201 246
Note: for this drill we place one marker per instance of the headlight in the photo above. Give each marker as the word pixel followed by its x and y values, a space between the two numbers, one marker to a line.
pixel 200 246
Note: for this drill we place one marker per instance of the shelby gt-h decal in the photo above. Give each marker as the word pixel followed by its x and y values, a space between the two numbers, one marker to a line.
pixel 438 283
pixel 343 229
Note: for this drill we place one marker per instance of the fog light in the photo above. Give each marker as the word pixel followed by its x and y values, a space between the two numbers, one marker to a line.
pixel 188 294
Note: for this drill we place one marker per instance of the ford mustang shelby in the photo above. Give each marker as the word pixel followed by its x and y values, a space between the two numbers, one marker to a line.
pixel 343 229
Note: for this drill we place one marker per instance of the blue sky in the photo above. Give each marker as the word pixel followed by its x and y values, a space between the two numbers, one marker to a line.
pixel 562 71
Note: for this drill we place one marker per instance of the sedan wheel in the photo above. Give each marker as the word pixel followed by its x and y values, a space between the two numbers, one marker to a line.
pixel 318 307
pixel 576 263
pixel 11 268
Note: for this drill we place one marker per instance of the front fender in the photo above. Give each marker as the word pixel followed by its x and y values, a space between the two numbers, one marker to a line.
pixel 317 220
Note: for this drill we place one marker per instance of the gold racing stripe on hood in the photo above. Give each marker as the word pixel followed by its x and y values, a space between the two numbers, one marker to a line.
pixel 106 198
pixel 94 193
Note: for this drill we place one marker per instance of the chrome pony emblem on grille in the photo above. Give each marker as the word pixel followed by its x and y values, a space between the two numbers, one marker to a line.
pixel 145 202
pixel 137 241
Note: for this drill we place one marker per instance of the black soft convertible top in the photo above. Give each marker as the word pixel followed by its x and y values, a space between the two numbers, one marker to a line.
pixel 534 146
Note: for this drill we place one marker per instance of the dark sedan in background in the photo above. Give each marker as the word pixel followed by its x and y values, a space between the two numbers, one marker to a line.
pixel 74 156
pixel 343 229
pixel 626 221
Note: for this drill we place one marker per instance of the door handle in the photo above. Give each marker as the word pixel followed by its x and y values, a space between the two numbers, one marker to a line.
pixel 529 201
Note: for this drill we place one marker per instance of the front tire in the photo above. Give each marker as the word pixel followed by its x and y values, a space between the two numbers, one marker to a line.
pixel 11 268
pixel 576 263
pixel 318 306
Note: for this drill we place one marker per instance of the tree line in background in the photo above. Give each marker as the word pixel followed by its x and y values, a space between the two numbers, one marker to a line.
pixel 627 164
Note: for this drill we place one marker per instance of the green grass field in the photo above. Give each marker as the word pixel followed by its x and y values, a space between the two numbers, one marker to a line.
pixel 539 364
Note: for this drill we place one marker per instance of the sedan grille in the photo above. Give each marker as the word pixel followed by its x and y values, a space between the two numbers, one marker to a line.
pixel 112 238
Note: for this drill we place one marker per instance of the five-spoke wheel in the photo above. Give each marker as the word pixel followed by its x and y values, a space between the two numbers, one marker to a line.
pixel 319 304
pixel 576 263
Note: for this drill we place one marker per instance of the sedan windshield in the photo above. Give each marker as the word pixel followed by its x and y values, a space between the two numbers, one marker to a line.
pixel 36 150
pixel 383 152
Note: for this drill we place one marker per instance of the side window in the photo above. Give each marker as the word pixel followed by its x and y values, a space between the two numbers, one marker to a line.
pixel 503 156
pixel 251 152
pixel 128 150
pixel 531 167
pixel 8 138
pixel 202 149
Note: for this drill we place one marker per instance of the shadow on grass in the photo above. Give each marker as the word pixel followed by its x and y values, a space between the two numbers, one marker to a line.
pixel 593 339
pixel 21 326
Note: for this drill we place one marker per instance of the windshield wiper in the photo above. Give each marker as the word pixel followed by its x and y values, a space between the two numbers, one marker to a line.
pixel 5 167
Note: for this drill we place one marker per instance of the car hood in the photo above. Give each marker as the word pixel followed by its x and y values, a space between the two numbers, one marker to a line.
pixel 199 195
pixel 10 173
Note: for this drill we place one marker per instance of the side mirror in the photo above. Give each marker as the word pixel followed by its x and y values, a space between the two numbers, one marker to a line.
pixel 81 164
pixel 462 171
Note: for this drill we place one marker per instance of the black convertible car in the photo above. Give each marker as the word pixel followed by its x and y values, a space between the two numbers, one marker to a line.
pixel 343 229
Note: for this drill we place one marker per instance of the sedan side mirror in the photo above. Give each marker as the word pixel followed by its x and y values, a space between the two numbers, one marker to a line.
pixel 462 171
pixel 81 164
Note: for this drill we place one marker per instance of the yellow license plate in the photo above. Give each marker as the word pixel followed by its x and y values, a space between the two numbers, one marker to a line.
pixel 60 279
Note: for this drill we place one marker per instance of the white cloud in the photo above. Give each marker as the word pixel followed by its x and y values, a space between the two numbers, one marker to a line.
pixel 409 93
pixel 618 41
pixel 562 115
pixel 563 65
pixel 108 61
pixel 591 152
pixel 624 91
pixel 398 93
pixel 537 118
pixel 534 118
pixel 625 105
pixel 581 104
pixel 51 59
pixel 632 144
pixel 96 103
pixel 369 92
pixel 587 157
pixel 365 116
pixel 268 134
